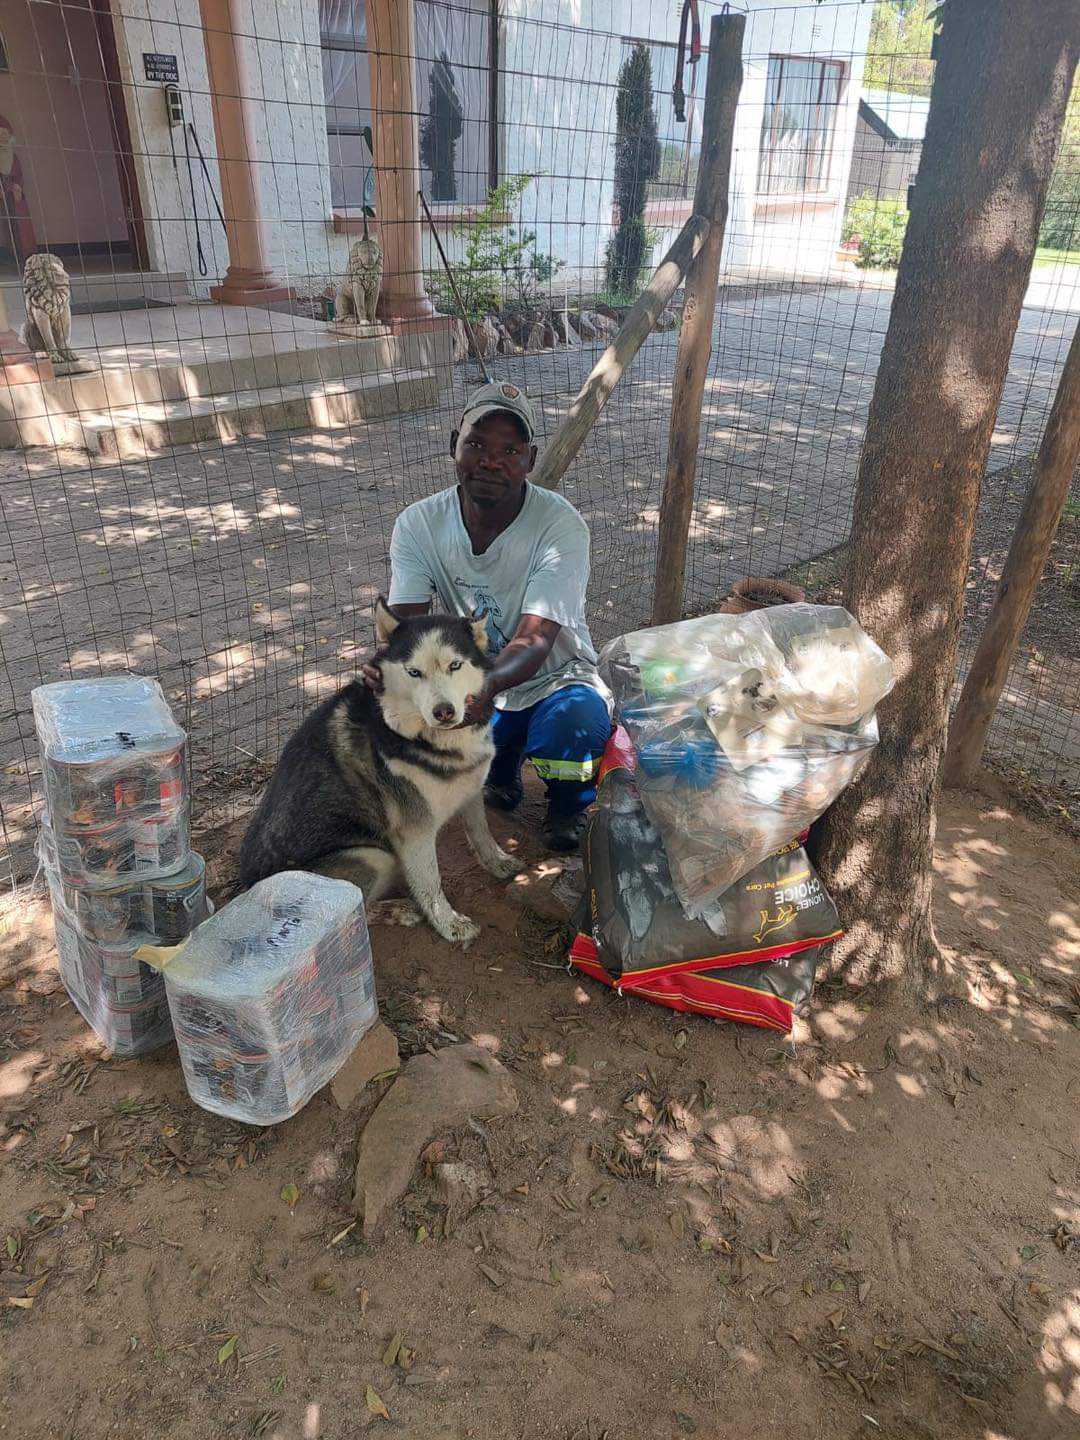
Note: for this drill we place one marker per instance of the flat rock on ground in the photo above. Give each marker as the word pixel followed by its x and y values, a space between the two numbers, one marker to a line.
pixel 433 1093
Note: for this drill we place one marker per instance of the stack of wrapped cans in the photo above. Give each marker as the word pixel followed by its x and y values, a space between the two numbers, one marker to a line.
pixel 115 847
pixel 271 995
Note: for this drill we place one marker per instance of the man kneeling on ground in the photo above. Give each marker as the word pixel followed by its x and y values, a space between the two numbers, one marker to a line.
pixel 496 544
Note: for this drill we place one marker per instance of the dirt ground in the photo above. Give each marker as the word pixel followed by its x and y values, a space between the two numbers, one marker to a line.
pixel 691 1229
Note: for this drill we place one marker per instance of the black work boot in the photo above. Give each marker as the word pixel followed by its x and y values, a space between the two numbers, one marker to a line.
pixel 503 797
pixel 562 832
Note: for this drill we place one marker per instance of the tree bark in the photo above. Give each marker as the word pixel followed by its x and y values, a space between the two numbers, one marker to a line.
pixel 695 338
pixel 1004 73
pixel 1031 541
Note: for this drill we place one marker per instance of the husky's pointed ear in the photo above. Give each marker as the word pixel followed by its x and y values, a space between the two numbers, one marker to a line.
pixel 386 622
pixel 479 629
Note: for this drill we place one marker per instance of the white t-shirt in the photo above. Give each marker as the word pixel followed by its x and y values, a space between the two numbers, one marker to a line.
pixel 539 565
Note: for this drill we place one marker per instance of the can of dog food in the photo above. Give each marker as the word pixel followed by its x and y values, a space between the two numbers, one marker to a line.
pixel 121 999
pixel 137 1028
pixel 175 904
pixel 103 856
pixel 101 915
pixel 113 971
pixel 160 842
pixel 114 783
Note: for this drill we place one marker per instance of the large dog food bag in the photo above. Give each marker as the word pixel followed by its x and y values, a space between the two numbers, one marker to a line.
pixel 114 847
pixel 746 728
pixel 751 957
pixel 270 996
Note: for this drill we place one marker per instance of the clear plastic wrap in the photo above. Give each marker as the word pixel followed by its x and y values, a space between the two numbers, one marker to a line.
pixel 121 999
pixel 270 996
pixel 746 728
pixel 112 759
pixel 161 911
pixel 107 857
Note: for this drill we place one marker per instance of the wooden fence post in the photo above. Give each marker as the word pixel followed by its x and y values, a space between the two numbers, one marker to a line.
pixel 1031 541
pixel 722 87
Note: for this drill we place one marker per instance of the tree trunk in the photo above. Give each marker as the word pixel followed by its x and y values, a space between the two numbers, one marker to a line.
pixel 1004 74
pixel 1032 538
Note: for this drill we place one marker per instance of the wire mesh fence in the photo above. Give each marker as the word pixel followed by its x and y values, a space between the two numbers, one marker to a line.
pixel 207 494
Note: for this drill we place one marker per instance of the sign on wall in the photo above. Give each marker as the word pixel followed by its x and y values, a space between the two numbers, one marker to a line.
pixel 161 68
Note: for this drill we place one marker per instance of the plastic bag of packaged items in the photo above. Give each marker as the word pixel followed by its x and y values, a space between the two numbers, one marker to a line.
pixel 750 958
pixel 746 729
pixel 112 760
pixel 270 996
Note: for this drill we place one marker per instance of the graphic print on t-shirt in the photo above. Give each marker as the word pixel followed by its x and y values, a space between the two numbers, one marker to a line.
pixel 483 600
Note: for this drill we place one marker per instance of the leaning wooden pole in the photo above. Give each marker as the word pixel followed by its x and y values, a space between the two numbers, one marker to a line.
pixel 1044 502
pixel 640 320
pixel 692 241
pixel 722 86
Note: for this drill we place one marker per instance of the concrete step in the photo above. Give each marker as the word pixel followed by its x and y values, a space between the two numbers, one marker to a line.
pixel 107 288
pixel 140 430
pixel 198 368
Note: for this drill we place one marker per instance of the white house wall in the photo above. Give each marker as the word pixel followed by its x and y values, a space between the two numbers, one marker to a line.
pixel 803 239
pixel 281 40
pixel 559 60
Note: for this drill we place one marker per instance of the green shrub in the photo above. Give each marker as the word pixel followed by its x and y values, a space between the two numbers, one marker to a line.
pixel 880 226
pixel 500 265
pixel 637 162
pixel 1061 218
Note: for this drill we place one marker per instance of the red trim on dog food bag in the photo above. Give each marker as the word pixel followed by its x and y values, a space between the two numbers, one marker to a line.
pixel 695 994
pixel 618 754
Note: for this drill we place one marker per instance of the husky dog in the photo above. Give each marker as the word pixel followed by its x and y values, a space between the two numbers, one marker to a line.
pixel 367 782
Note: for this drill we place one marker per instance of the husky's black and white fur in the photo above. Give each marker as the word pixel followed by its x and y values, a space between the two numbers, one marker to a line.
pixel 365 785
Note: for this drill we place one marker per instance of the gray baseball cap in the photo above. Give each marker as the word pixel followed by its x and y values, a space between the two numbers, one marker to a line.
pixel 497 396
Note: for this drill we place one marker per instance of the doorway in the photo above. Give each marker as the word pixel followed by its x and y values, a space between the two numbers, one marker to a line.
pixel 65 178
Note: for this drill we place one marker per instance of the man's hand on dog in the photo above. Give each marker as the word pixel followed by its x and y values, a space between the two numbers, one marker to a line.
pixel 479 708
pixel 371 673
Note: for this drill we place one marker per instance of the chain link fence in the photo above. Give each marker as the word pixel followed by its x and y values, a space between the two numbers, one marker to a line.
pixel 215 503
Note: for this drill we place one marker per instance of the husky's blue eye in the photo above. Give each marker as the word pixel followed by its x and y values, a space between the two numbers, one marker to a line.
pixel 414 674
pixel 454 665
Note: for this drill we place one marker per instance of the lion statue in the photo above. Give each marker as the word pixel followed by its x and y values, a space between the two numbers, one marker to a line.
pixel 358 293
pixel 47 328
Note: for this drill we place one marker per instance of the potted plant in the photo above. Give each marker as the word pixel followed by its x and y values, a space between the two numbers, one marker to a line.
pixel 757 592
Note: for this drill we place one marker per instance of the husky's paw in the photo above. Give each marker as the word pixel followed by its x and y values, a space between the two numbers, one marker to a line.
pixel 459 930
pixel 503 866
pixel 394 912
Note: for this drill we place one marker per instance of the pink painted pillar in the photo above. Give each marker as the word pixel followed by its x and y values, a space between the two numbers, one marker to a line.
pixel 248 280
pixel 395 131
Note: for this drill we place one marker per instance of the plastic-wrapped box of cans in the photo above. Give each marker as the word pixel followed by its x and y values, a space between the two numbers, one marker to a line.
pixel 270 996
pixel 161 911
pixel 112 760
pixel 121 999
pixel 115 845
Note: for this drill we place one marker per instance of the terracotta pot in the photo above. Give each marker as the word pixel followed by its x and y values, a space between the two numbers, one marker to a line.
pixel 779 592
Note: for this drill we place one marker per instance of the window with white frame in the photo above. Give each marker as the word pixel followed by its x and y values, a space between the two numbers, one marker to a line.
pixel 455 98
pixel 802 102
